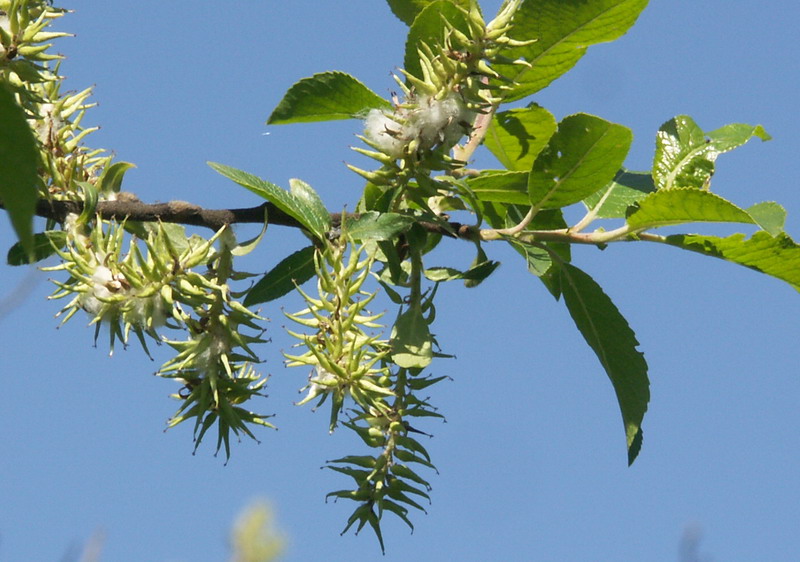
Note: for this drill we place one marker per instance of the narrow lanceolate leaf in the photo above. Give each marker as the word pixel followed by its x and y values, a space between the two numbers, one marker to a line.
pixel 608 334
pixel 429 28
pixel 581 158
pixel 19 159
pixel 299 208
pixel 682 205
pixel 516 137
pixel 500 186
pixel 623 191
pixel 325 97
pixel 563 31
pixel 412 345
pixel 769 215
pixel 291 272
pixel 407 10
pixel 685 155
pixel 777 256
pixel 376 226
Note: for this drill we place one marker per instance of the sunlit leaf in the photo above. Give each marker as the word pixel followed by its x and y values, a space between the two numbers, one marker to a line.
pixel 685 155
pixel 407 10
pixel 769 215
pixel 517 136
pixel 412 346
pixel 563 30
pixel 312 202
pixel 623 191
pixel 325 97
pixel 111 179
pixel 682 205
pixel 501 186
pixel 300 209
pixel 580 159
pixel 777 256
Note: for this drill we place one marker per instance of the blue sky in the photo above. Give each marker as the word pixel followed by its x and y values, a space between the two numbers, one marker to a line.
pixel 532 458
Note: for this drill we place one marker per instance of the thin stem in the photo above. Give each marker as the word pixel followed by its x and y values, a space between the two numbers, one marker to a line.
pixel 497 233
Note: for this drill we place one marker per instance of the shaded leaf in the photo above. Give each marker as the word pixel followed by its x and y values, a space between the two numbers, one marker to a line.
pixel 580 159
pixel 44 246
pixel 777 256
pixel 517 136
pixel 325 97
pixel 608 334
pixel 685 155
pixel 291 271
pixel 19 160
pixel 563 30
pixel 682 205
pixel 300 209
pixel 623 191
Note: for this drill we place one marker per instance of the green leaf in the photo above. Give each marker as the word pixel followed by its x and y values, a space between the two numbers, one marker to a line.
pixel 376 226
pixel 111 178
pixel 481 268
pixel 685 155
pixel 407 10
pixel 776 256
pixel 44 246
pixel 90 199
pixel 538 258
pixel 563 30
pixel 477 273
pixel 608 334
pixel 768 215
pixel 325 97
pixel 301 208
pixel 292 271
pixel 623 191
pixel 412 345
pixel 580 159
pixel 429 28
pixel 517 136
pixel 500 186
pixel 244 248
pixel 19 160
pixel 306 194
pixel 682 205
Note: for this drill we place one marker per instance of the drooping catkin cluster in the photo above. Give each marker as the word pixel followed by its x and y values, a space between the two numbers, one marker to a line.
pixel 345 358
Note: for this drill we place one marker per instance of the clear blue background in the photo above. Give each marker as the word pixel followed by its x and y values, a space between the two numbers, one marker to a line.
pixel 532 458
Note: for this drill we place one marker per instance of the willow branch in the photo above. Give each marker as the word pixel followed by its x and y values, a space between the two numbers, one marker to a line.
pixel 190 214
